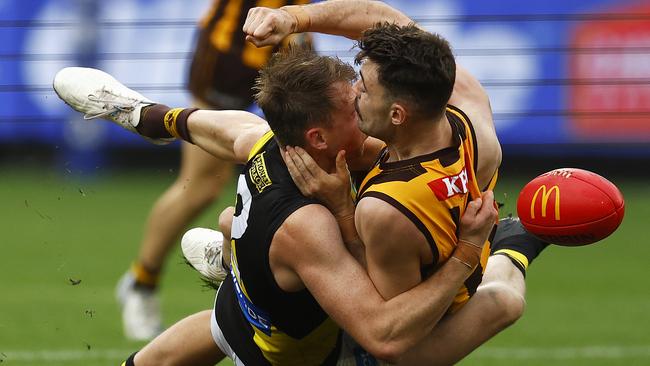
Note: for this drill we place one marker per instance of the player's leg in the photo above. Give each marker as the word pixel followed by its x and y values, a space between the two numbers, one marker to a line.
pixel 188 342
pixel 493 308
pixel 498 302
pixel 200 180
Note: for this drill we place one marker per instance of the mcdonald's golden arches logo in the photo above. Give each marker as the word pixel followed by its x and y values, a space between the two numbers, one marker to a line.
pixel 546 194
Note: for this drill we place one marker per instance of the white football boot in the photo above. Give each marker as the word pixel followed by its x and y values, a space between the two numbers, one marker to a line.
pixel 97 94
pixel 141 317
pixel 202 248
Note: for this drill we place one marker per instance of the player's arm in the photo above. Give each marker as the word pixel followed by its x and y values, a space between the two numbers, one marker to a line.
pixel 311 246
pixel 227 135
pixel 265 26
pixel 395 248
pixel 470 96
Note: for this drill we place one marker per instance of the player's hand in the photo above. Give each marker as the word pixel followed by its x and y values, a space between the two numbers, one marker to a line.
pixel 478 219
pixel 331 189
pixel 268 27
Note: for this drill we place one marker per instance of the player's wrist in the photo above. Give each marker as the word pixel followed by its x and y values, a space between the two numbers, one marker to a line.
pixel 467 253
pixel 344 211
pixel 301 19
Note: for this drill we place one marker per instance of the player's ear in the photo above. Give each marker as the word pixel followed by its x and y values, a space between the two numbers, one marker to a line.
pixel 398 113
pixel 314 137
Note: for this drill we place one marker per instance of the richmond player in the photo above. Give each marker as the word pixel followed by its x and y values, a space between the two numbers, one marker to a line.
pixel 221 76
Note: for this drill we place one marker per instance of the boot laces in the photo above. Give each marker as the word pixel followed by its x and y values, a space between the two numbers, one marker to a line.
pixel 211 254
pixel 112 103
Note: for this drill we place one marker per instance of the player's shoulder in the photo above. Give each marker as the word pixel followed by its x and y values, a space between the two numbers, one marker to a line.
pixel 309 224
pixel 309 235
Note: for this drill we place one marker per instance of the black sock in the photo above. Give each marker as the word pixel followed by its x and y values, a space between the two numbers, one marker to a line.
pixel 151 121
pixel 130 361
pixel 513 241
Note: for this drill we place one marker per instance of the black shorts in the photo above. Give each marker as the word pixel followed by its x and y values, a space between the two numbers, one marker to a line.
pixel 224 66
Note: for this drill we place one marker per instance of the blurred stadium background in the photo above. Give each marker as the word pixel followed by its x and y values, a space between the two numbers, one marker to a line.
pixel 569 83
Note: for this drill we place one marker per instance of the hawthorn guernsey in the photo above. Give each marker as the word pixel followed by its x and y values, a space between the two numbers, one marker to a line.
pixel 571 207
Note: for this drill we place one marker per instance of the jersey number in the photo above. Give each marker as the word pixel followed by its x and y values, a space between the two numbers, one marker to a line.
pixel 244 199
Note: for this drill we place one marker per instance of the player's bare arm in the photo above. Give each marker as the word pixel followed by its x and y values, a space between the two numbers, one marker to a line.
pixel 265 26
pixel 470 96
pixel 308 250
pixel 228 135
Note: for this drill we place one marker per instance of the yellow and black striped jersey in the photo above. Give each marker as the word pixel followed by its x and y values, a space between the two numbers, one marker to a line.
pixel 432 191
pixel 264 324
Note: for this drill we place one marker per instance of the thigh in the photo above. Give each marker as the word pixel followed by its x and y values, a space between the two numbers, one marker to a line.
pixel 188 342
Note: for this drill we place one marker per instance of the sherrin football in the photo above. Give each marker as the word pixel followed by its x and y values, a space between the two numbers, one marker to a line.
pixel 570 207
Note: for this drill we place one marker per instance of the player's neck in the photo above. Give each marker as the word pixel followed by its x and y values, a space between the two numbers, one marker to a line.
pixel 421 138
pixel 325 162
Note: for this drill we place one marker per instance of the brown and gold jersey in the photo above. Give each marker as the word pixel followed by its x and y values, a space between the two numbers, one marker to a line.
pixel 432 191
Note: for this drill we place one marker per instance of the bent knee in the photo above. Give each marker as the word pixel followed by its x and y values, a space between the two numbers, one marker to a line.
pixel 503 304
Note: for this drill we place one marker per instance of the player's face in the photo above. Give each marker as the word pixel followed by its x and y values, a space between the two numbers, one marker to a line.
pixel 374 111
pixel 345 129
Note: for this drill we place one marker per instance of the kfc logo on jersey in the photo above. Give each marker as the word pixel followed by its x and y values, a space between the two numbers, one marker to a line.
pixel 450 186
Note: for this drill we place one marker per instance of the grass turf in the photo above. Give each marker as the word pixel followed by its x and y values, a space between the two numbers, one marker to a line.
pixel 586 306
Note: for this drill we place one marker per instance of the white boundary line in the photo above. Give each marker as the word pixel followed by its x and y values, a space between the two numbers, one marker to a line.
pixel 520 353
pixel 58 355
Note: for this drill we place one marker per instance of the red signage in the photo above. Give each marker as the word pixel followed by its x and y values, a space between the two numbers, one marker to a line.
pixel 613 105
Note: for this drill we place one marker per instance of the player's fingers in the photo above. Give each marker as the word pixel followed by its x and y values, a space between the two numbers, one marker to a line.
pixel 341 164
pixel 311 167
pixel 249 19
pixel 473 207
pixel 487 197
pixel 295 173
pixel 488 208
pixel 305 165
pixel 255 18
pixel 261 42
pixel 264 29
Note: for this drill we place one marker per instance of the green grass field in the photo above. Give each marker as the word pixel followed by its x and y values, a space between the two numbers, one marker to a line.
pixel 586 306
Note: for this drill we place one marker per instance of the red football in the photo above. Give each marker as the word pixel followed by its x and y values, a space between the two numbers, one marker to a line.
pixel 570 207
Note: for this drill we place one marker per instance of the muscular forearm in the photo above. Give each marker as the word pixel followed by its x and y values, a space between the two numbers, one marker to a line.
pixel 350 18
pixel 409 317
pixel 227 135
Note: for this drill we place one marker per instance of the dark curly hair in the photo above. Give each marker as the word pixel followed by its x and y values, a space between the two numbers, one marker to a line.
pixel 295 91
pixel 414 66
